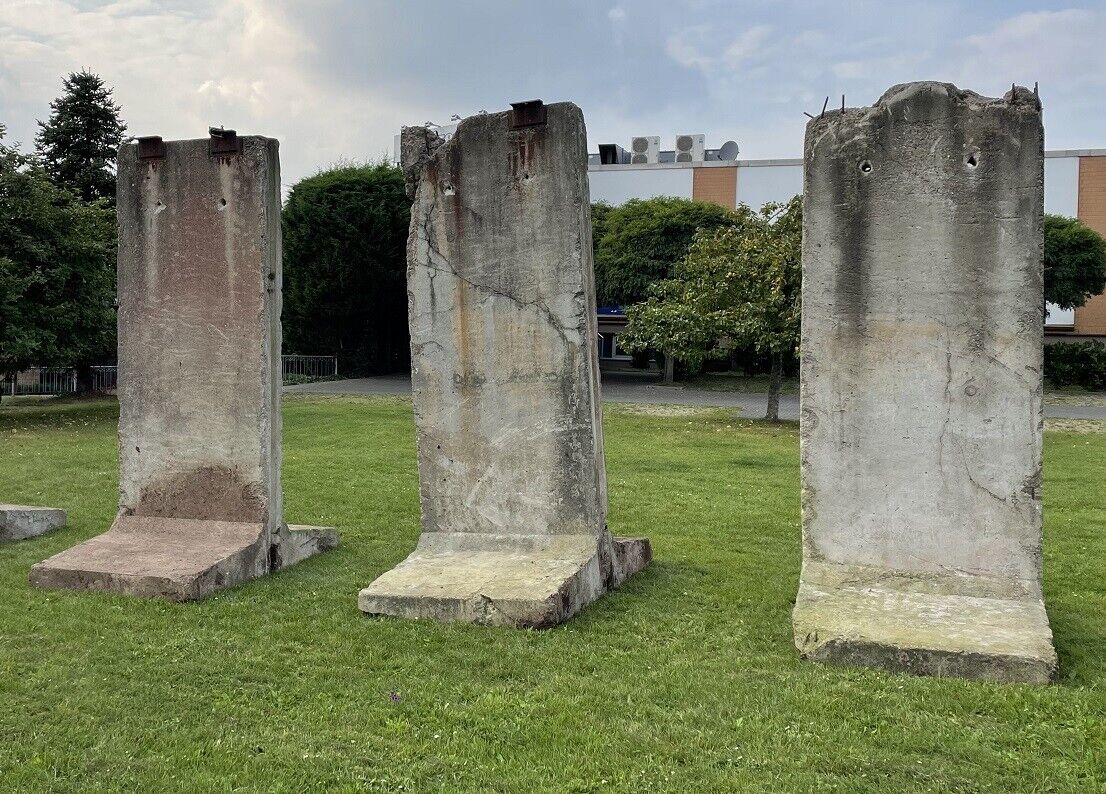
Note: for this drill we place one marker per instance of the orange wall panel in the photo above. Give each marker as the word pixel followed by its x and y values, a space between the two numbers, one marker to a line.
pixel 716 185
pixel 1091 318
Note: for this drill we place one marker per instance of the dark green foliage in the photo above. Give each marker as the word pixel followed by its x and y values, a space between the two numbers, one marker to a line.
pixel 600 210
pixel 641 242
pixel 345 293
pixel 57 272
pixel 78 144
pixel 1075 262
pixel 1076 364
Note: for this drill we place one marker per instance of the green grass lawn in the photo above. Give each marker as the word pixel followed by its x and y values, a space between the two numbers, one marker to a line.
pixel 683 680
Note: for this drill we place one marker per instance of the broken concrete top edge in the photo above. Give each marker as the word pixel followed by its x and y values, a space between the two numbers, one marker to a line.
pixel 181 141
pixel 479 120
pixel 903 92
pixel 499 114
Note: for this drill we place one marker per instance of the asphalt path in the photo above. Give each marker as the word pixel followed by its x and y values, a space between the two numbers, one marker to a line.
pixel 632 387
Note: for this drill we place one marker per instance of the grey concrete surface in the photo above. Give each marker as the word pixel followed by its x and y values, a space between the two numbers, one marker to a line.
pixel 20 522
pixel 920 386
pixel 505 379
pixel 199 303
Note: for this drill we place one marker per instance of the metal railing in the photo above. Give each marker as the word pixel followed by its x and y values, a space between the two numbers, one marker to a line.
pixel 63 380
pixel 296 367
pixel 41 380
pixel 104 379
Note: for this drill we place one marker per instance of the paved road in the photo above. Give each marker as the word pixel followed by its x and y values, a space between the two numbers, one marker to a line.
pixel 634 388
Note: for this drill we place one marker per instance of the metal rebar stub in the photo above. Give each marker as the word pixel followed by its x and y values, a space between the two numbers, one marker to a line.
pixel 223 142
pixel 151 147
pixel 527 114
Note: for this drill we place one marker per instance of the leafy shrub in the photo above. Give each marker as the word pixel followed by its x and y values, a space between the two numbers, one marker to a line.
pixel 1076 364
pixel 345 285
pixel 642 241
pixel 1075 261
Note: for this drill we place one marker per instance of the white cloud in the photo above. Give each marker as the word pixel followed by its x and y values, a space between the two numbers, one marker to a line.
pixel 750 45
pixel 339 81
pixel 700 47
pixel 1065 50
pixel 177 70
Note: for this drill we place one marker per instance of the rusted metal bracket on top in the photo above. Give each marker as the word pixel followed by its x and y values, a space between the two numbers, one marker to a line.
pixel 152 147
pixel 220 144
pixel 223 142
pixel 527 114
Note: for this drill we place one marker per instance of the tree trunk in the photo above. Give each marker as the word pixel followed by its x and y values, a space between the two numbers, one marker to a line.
pixel 774 381
pixel 669 370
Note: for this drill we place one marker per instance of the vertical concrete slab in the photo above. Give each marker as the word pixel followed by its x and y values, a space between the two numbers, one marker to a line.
pixel 199 376
pixel 505 378
pixel 921 386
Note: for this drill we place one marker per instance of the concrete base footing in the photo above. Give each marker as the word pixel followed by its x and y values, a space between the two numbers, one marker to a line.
pixel 176 558
pixel 20 522
pixel 953 626
pixel 517 581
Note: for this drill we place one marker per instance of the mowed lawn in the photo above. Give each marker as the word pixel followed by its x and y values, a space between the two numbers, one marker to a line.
pixel 683 680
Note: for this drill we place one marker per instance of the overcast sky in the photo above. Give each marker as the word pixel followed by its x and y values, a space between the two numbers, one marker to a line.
pixel 335 79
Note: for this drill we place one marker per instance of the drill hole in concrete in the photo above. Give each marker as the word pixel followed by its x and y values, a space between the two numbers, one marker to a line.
pixel 972 160
pixel 222 204
pixel 865 166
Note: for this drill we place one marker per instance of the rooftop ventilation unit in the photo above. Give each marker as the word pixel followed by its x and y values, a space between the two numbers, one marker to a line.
pixel 612 154
pixel 690 148
pixel 646 149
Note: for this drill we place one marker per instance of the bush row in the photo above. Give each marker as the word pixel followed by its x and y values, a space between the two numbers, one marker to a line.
pixel 1076 364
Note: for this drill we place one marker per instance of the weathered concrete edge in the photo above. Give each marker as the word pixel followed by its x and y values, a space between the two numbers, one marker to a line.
pixel 297 542
pixel 23 522
pixel 255 561
pixel 834 647
pixel 241 566
pixel 578 591
pixel 1004 668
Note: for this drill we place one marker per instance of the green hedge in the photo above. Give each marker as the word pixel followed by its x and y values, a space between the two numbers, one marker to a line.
pixel 1076 364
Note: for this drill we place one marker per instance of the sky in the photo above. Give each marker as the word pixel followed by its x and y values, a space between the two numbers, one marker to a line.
pixel 335 79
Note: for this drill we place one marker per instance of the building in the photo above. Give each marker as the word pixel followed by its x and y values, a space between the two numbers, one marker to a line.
pixel 1075 186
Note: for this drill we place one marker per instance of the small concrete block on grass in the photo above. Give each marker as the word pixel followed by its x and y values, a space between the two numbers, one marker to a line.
pixel 20 522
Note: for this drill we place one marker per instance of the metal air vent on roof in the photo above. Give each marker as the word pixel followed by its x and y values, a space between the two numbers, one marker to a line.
pixel 690 148
pixel 646 149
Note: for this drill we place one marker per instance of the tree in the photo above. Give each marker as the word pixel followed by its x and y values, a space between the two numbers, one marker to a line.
pixel 345 265
pixel 57 273
pixel 1075 262
pixel 600 210
pixel 641 241
pixel 79 142
pixel 740 285
pixel 18 337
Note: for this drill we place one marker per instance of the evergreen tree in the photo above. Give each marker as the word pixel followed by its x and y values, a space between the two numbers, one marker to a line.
pixel 57 273
pixel 78 144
